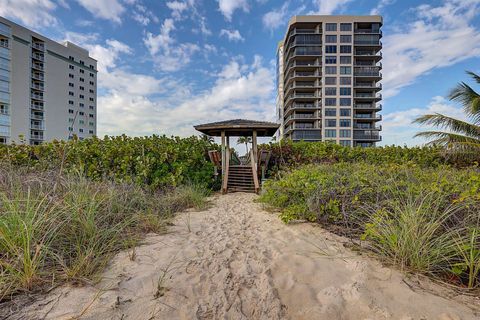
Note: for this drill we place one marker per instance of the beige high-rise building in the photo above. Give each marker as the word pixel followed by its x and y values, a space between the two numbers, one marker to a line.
pixel 48 90
pixel 328 73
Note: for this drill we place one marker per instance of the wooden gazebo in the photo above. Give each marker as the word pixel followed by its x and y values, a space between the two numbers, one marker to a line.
pixel 239 174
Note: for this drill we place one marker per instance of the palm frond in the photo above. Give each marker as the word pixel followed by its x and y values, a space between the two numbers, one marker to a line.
pixel 446 122
pixel 444 138
pixel 475 76
pixel 455 146
pixel 469 99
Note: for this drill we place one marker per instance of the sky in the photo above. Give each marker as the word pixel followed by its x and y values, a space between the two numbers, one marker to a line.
pixel 165 66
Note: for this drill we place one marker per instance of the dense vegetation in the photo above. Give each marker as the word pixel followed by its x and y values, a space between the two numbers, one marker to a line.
pixel 422 219
pixel 156 161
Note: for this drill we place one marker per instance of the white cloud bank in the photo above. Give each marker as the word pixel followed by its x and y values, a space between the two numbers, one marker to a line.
pixel 32 13
pixel 232 35
pixel 228 7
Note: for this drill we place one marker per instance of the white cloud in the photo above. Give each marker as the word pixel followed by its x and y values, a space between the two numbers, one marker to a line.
pixel 104 9
pixel 232 35
pixel 32 13
pixel 328 6
pixel 380 5
pixel 240 91
pixel 398 127
pixel 177 8
pixel 166 53
pixel 275 18
pixel 440 36
pixel 228 7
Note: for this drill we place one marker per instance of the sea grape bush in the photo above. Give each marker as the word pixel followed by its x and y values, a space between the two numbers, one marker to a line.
pixel 156 161
pixel 287 154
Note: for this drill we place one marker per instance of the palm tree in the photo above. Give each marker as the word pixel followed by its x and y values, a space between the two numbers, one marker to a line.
pixel 244 140
pixel 207 138
pixel 462 138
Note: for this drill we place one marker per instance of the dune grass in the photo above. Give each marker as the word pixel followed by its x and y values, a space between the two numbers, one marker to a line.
pixel 67 228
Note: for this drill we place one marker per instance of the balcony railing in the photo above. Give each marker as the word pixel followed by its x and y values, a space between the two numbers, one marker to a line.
pixel 37 86
pixel 367 106
pixel 37 56
pixel 375 31
pixel 359 95
pixel 366 136
pixel 36 96
pixel 37 126
pixel 368 42
pixel 38 77
pixel 37 66
pixel 300 117
pixel 38 46
pixel 367 116
pixel 36 106
pixel 367 53
pixel 37 116
pixel 368 72
pixel 307 135
pixel 368 85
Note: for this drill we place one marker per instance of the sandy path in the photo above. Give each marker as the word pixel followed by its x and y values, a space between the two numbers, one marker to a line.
pixel 239 262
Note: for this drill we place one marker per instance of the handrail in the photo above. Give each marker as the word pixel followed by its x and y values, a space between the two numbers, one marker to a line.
pixel 254 171
pixel 225 174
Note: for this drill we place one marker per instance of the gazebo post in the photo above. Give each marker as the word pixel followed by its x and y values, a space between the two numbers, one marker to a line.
pixel 254 161
pixel 254 144
pixel 223 161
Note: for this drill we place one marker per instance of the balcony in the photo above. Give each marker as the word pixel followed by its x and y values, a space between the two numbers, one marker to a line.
pixel 38 86
pixel 38 46
pixel 366 106
pixel 36 96
pixel 36 106
pixel 366 116
pixel 300 116
pixel 367 72
pixel 367 96
pixel 37 116
pixel 369 31
pixel 38 66
pixel 38 76
pixel 376 43
pixel 368 85
pixel 367 135
pixel 304 51
pixel 37 126
pixel 39 57
pixel 35 135
pixel 307 135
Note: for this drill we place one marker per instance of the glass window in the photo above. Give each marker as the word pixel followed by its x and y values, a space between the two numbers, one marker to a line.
pixel 345 102
pixel 330 49
pixel 330 91
pixel 330 80
pixel 330 27
pixel 345 70
pixel 4 64
pixel 345 60
pixel 330 133
pixel 330 70
pixel 70 102
pixel 345 27
pixel 346 39
pixel 71 67
pixel 330 39
pixel 345 123
pixel 5 29
pixel 345 143
pixel 345 49
pixel 70 111
pixel 330 112
pixel 345 80
pixel 330 123
pixel 4 86
pixel 345 133
pixel 345 91
pixel 345 112
pixel 330 101
pixel 330 60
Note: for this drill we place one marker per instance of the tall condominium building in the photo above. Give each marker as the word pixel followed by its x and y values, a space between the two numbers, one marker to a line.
pixel 48 90
pixel 328 73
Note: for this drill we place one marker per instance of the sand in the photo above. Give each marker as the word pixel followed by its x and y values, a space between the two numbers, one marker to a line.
pixel 237 261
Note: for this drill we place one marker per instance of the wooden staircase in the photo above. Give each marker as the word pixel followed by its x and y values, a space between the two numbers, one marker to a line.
pixel 240 179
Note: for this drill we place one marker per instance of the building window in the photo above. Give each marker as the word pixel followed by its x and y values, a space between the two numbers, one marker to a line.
pixel 81 122
pixel 330 27
pixel 71 58
pixel 330 133
pixel 330 91
pixel 82 105
pixel 345 123
pixel 71 76
pixel 331 80
pixel 330 101
pixel 344 102
pixel 82 88
pixel 70 120
pixel 92 75
pixel 91 124
pixel 82 71
pixel 70 111
pixel 82 62
pixel 345 60
pixel 70 93
pixel 82 96
pixel 71 85
pixel 91 91
pixel 82 80
pixel 81 113
pixel 91 107
pixel 71 67
pixel 92 83
pixel 345 112
pixel 70 102
pixel 345 39
pixel 345 143
pixel 345 49
pixel 92 66
pixel 90 115
pixel 345 27
pixel 90 131
pixel 70 129
pixel 80 130
pixel 345 70
pixel 330 112
pixel 330 39
pixel 91 99
pixel 345 91
pixel 330 60
pixel 345 80
pixel 330 123
pixel 345 133
pixel 330 70
pixel 330 49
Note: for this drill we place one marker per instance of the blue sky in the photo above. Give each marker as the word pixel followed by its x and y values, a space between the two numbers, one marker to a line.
pixel 167 65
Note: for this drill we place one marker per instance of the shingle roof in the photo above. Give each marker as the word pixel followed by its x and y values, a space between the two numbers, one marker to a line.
pixel 238 127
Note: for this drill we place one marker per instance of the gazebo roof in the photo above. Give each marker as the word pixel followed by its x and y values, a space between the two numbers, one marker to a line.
pixel 238 127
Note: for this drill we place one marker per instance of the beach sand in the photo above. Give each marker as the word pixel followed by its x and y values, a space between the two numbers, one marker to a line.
pixel 237 261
